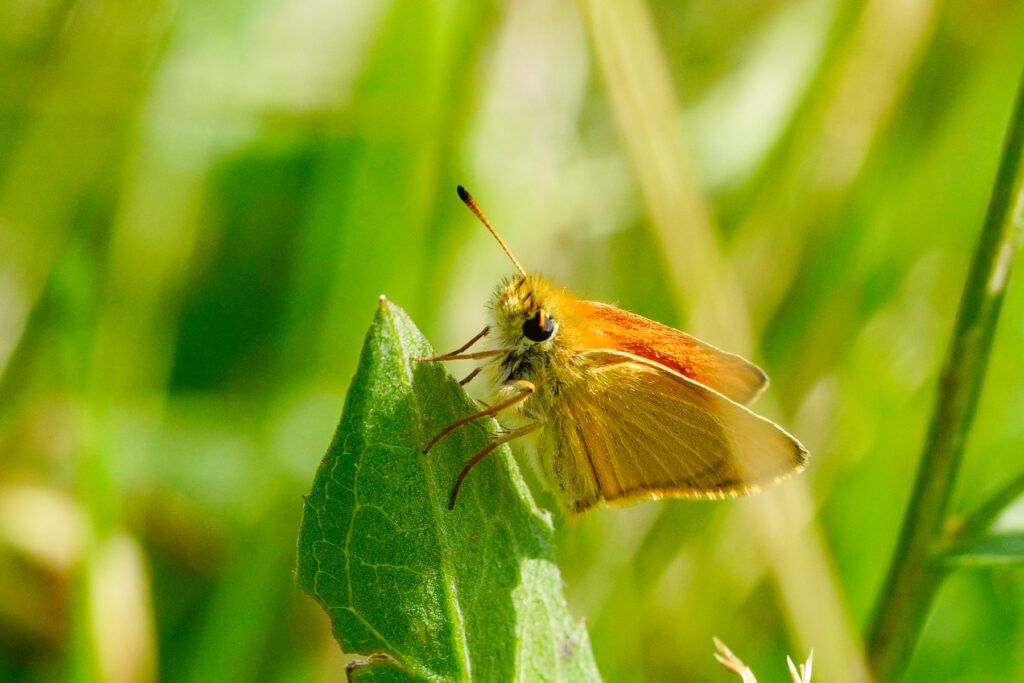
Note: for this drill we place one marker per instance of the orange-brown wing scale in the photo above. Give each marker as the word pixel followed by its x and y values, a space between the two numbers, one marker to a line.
pixel 599 326
pixel 634 430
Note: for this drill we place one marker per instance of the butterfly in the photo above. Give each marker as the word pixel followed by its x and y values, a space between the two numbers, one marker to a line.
pixel 616 407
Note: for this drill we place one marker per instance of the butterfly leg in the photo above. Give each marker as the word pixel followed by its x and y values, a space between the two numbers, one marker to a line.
pixel 525 388
pixel 504 438
pixel 464 356
pixel 451 354
pixel 469 378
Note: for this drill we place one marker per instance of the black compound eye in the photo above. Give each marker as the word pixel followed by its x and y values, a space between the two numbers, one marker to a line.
pixel 539 328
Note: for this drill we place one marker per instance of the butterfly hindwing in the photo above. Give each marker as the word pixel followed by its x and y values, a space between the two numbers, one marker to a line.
pixel 635 429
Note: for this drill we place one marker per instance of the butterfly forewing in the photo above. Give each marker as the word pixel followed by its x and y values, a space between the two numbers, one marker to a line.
pixel 600 326
pixel 635 429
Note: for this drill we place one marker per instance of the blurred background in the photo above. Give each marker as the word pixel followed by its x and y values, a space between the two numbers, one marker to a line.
pixel 201 202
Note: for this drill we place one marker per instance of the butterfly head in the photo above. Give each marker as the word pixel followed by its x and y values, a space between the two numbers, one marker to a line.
pixel 525 314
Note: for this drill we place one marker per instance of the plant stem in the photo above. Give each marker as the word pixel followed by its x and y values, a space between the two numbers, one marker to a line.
pixel 977 523
pixel 913 578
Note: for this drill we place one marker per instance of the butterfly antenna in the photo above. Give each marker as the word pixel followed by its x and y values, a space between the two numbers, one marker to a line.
pixel 468 200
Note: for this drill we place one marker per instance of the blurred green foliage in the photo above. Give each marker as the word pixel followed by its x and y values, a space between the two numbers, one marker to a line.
pixel 200 204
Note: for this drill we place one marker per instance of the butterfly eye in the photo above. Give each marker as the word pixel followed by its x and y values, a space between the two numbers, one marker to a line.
pixel 539 328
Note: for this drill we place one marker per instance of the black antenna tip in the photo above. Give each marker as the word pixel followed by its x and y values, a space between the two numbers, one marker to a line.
pixel 463 195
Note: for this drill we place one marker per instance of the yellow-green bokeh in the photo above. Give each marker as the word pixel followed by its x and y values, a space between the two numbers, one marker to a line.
pixel 201 202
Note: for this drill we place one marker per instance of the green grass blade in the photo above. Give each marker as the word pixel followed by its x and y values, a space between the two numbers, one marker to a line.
pixel 421 591
pixel 913 578
pixel 996 550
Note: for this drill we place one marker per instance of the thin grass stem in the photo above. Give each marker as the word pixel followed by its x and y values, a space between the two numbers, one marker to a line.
pixel 913 577
pixel 976 523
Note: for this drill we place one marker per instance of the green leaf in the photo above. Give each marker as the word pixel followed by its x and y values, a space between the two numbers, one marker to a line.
pixel 1001 549
pixel 471 594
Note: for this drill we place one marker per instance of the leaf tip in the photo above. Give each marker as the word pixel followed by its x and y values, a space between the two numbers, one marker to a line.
pixel 382 301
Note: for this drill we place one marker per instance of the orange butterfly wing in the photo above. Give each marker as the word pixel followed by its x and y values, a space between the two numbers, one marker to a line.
pixel 632 430
pixel 599 326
